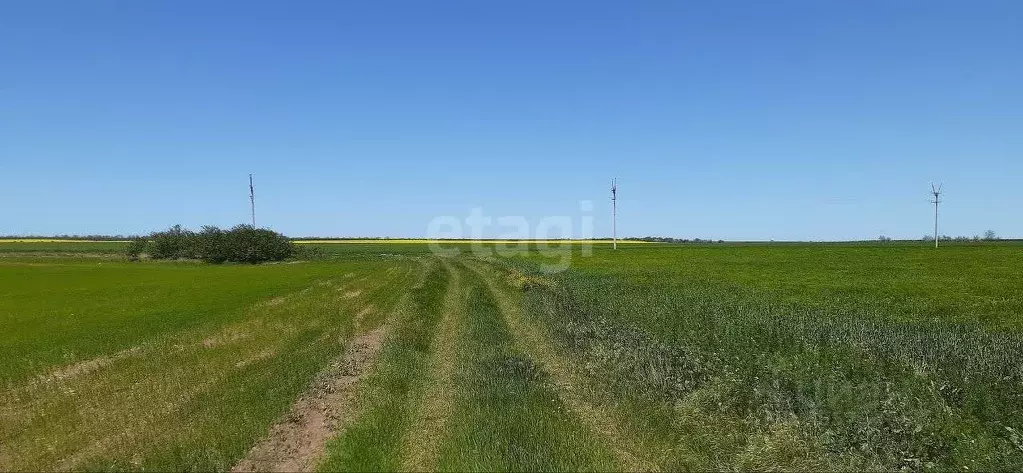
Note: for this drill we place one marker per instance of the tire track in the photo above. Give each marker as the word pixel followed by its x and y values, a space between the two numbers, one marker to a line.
pixel 535 343
pixel 299 441
pixel 421 444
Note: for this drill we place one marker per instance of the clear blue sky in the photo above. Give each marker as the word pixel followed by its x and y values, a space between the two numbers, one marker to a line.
pixel 736 120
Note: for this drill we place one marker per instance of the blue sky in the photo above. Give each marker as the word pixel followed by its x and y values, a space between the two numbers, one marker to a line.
pixel 734 119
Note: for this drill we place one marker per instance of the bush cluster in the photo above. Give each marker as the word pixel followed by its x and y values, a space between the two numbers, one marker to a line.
pixel 240 244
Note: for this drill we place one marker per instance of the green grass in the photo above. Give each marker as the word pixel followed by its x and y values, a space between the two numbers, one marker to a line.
pixel 499 412
pixel 855 356
pixel 158 366
pixel 14 247
pixel 680 357
pixel 60 311
pixel 374 440
pixel 507 414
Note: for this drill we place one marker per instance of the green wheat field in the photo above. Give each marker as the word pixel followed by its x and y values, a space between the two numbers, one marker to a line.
pixel 376 356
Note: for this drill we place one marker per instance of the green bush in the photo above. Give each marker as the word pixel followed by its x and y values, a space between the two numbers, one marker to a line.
pixel 245 244
pixel 211 245
pixel 173 243
pixel 241 244
pixel 136 247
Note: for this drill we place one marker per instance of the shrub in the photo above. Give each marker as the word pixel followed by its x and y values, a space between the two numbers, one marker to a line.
pixel 246 244
pixel 136 247
pixel 211 245
pixel 173 243
pixel 242 244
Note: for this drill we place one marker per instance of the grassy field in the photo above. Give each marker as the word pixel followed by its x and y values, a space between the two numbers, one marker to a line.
pixel 385 356
pixel 801 357
pixel 61 247
pixel 116 365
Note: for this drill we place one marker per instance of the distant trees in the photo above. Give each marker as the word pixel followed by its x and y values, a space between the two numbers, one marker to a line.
pixel 884 239
pixel 656 239
pixel 66 237
pixel 240 244
pixel 988 236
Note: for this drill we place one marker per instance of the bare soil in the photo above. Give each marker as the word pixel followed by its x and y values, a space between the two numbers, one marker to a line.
pixel 298 441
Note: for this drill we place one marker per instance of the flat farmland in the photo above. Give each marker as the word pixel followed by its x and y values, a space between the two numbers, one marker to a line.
pixel 118 365
pixel 386 356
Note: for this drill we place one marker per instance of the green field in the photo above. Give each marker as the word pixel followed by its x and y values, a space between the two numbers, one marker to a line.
pixel 386 356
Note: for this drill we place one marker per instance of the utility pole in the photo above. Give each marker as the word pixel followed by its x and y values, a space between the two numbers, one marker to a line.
pixel 614 214
pixel 252 201
pixel 937 200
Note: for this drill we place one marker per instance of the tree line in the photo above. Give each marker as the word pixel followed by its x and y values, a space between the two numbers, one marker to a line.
pixel 988 236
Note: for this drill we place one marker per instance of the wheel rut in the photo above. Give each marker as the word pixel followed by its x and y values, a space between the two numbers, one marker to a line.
pixel 421 444
pixel 537 344
pixel 299 440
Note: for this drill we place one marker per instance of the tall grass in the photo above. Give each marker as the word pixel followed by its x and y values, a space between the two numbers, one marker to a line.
pixel 847 383
pixel 508 416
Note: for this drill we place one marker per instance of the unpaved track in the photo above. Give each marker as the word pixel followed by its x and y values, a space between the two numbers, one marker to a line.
pixel 421 443
pixel 537 344
pixel 298 442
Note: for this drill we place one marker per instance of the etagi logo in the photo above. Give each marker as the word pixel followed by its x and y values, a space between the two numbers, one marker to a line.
pixel 550 237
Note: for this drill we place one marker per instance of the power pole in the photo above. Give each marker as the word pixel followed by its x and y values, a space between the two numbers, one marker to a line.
pixel 252 201
pixel 614 214
pixel 937 200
